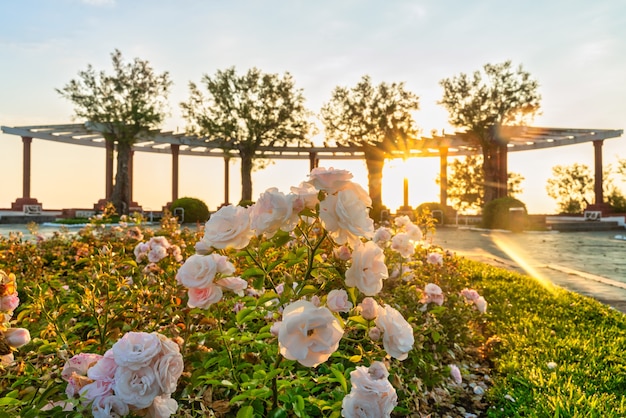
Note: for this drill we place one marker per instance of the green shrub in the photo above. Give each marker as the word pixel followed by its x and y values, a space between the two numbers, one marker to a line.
pixel 195 210
pixel 497 214
pixel 448 213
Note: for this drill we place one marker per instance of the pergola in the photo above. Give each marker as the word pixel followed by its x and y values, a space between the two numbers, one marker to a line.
pixel 509 138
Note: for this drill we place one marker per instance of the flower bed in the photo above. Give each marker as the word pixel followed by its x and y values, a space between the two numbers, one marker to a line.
pixel 295 306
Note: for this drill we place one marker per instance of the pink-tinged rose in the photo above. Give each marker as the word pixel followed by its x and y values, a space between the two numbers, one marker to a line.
pixel 274 329
pixel 382 236
pixel 432 293
pixel 434 258
pixel 141 251
pixel 337 301
pixel 329 180
pixel 369 308
pixel 175 252
pixel 315 300
pixel 470 295
pixel 403 244
pixel 234 284
pixel 75 372
pixel 368 269
pixel 346 217
pixel 96 389
pixel 397 332
pixel 136 350
pixel 157 253
pixel 137 388
pixel 109 406
pixel 455 374
pixel 168 346
pixel 203 297
pixel 273 211
pixel 8 303
pixel 229 227
pixel 481 304
pixel 162 407
pixel 200 270
pixel 308 334
pixel 372 396
pixel 104 369
pixel 280 288
pixel 371 379
pixel 17 337
pixel 202 248
pixel 238 306
pixel 306 197
pixel 343 253
pixel 413 231
pixel 374 334
pixel 168 368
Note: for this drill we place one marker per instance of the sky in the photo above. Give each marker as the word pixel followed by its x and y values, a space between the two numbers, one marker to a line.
pixel 575 49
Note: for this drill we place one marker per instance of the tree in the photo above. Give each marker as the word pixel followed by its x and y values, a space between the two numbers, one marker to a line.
pixel 571 186
pixel 379 119
pixel 247 112
pixel 125 105
pixel 466 183
pixel 483 102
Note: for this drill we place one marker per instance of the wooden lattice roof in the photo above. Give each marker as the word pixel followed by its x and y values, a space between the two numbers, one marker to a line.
pixel 518 138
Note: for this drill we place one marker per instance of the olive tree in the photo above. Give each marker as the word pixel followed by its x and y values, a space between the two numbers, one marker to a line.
pixel 466 183
pixel 124 105
pixel 482 102
pixel 377 118
pixel 247 112
pixel 571 186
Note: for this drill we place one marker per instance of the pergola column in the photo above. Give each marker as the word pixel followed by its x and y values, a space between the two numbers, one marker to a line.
pixel 597 186
pixel 313 161
pixel 26 162
pixel 110 147
pixel 503 170
pixel 226 180
pixel 175 153
pixel 443 176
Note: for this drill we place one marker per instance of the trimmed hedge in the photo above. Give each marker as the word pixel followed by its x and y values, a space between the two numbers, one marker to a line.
pixel 497 214
pixel 195 210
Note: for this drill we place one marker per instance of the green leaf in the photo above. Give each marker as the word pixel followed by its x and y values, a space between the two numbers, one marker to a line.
pixel 278 413
pixel 245 412
pixel 341 379
pixel 243 314
pixel 253 272
pixel 10 401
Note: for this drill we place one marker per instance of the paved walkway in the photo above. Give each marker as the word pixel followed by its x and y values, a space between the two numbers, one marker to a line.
pixel 589 263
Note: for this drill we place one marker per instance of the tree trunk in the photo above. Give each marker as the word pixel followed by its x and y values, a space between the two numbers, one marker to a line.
pixel 375 161
pixel 120 197
pixel 490 168
pixel 246 176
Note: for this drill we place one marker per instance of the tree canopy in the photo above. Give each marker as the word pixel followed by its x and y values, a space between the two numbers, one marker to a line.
pixel 571 186
pixel 378 118
pixel 128 103
pixel 246 112
pixel 483 101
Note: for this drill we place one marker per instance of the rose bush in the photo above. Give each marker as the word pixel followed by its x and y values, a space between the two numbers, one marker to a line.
pixel 272 314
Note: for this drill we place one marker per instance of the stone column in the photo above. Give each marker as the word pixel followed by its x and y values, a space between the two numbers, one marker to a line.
pixel 597 186
pixel 20 202
pixel 313 161
pixel 110 147
pixel 443 176
pixel 226 180
pixel 175 153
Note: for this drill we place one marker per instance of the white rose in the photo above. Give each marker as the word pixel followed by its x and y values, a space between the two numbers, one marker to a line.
pixel 329 180
pixel 369 308
pixel 368 269
pixel 434 258
pixel 481 304
pixel 136 350
pixel 397 332
pixel 306 197
pixel 362 404
pixel 337 301
pixel 234 284
pixel 96 389
pixel 200 270
pixel 382 235
pixel 109 406
pixel 203 297
pixel 402 221
pixel 137 388
pixel 228 227
pixel 308 334
pixel 168 368
pixel 346 216
pixel 413 231
pixel 433 293
pixel 371 379
pixel 273 211
pixel 157 253
pixel 403 244
pixel 162 407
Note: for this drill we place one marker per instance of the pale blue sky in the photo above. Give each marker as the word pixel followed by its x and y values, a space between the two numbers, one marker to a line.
pixel 575 49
